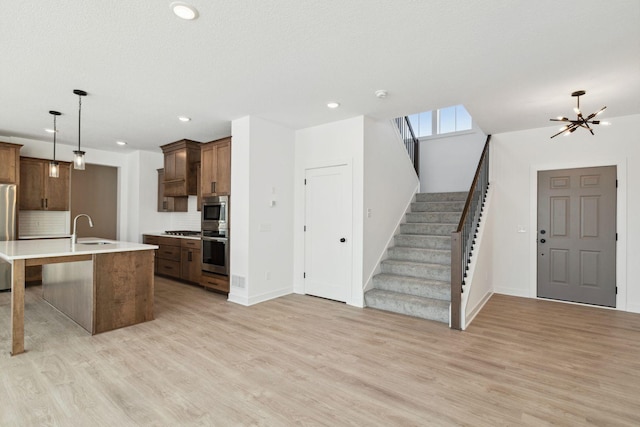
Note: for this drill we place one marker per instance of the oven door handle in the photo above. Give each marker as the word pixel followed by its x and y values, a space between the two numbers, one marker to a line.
pixel 215 239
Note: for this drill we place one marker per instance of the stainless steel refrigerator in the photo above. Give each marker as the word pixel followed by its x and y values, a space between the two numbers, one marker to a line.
pixel 8 212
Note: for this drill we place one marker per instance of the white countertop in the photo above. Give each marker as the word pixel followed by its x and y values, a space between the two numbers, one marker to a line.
pixel 25 249
pixel 46 236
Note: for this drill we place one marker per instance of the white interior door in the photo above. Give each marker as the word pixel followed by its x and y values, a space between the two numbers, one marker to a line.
pixel 328 232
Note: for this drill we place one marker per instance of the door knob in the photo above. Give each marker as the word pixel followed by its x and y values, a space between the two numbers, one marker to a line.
pixel 542 240
pixel 542 231
pixel 342 240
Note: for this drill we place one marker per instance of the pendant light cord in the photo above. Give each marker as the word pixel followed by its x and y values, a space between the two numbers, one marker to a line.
pixel 79 118
pixel 55 130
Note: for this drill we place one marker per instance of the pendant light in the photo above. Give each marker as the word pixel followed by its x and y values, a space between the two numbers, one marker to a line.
pixel 54 167
pixel 78 160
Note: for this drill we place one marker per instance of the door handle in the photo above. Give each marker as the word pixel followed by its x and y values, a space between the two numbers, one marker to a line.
pixel 342 240
pixel 542 231
pixel 542 240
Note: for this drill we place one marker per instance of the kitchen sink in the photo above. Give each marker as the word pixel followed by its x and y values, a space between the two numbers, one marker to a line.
pixel 95 242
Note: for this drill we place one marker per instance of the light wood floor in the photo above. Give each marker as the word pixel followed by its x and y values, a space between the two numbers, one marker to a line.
pixel 300 360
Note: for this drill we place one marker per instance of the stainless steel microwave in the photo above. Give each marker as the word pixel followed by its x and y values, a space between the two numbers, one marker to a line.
pixel 214 213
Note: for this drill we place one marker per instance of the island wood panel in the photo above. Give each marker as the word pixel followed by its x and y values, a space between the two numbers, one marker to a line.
pixel 17 307
pixel 123 289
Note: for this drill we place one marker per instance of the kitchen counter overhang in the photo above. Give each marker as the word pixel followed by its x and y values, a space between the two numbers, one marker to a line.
pixel 122 272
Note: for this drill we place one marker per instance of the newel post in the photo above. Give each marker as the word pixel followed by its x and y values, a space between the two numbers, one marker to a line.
pixel 456 279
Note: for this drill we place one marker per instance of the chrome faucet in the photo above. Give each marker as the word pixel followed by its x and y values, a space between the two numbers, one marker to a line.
pixel 74 236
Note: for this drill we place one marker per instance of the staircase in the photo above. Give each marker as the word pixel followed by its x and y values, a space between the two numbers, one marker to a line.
pixel 416 276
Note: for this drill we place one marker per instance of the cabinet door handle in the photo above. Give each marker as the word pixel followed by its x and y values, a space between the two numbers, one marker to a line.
pixel 213 186
pixel 46 203
pixel 164 205
pixel 190 256
pixel 42 203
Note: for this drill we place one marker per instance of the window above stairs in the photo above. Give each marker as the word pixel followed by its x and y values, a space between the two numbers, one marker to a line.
pixel 441 121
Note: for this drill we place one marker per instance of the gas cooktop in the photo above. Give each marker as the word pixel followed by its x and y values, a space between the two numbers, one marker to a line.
pixel 182 233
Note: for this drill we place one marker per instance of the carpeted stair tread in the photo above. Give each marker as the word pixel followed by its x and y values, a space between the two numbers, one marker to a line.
pixel 437 206
pixel 433 229
pixel 411 305
pixel 431 197
pixel 416 269
pixel 408 253
pixel 433 217
pixel 423 241
pixel 435 289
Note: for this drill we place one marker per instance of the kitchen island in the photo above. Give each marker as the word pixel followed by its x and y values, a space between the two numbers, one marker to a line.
pixel 120 276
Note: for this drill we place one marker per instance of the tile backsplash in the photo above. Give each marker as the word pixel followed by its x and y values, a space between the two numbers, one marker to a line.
pixel 186 220
pixel 42 223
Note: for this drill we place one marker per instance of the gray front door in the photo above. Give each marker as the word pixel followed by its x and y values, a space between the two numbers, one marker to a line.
pixel 577 235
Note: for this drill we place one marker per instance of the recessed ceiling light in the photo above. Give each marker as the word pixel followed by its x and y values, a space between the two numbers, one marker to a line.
pixel 333 105
pixel 381 93
pixel 121 143
pixel 184 119
pixel 184 10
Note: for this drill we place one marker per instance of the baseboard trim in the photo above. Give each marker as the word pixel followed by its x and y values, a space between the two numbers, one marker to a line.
pixel 633 308
pixel 475 310
pixel 514 292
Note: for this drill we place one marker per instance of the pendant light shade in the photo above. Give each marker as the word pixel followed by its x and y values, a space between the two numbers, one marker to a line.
pixel 54 167
pixel 78 159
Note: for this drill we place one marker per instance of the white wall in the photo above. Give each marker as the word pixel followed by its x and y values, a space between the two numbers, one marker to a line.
pixel 390 183
pixel 331 144
pixel 239 201
pixel 261 226
pixel 516 157
pixel 479 287
pixel 448 163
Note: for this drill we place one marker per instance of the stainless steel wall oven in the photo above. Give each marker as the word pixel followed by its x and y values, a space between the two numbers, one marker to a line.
pixel 215 252
pixel 215 235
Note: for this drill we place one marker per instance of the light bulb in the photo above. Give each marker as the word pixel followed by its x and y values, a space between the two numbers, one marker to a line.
pixel 78 161
pixel 54 169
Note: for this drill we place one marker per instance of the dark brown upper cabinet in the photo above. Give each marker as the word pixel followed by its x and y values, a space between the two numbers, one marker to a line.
pixel 39 192
pixel 216 168
pixel 181 160
pixel 9 163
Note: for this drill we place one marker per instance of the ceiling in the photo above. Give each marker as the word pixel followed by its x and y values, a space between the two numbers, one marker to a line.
pixel 513 64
